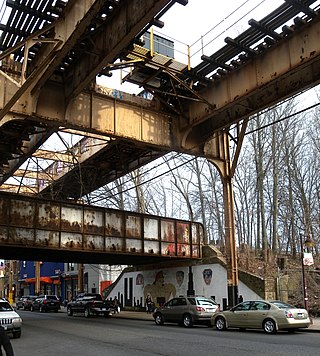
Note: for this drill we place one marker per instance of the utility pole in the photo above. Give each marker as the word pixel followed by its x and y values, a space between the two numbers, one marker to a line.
pixel 80 278
pixel 37 277
pixel 10 297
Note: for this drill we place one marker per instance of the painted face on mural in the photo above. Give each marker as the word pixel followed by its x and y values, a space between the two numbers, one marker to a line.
pixel 139 279
pixel 207 275
pixel 179 277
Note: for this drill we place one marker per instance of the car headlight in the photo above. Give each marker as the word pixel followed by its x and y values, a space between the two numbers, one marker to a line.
pixel 16 322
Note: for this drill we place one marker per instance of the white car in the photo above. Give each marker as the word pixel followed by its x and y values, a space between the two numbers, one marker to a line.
pixel 9 319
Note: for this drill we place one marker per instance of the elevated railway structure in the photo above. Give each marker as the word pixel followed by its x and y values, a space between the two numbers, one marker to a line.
pixel 47 84
pixel 73 232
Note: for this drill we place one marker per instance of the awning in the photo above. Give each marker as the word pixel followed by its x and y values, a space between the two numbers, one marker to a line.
pixel 42 279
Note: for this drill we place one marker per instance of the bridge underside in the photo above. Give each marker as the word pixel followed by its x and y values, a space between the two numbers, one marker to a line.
pixel 109 258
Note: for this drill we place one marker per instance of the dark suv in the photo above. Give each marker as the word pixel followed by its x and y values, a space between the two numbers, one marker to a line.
pixel 46 303
pixel 186 310
pixel 25 302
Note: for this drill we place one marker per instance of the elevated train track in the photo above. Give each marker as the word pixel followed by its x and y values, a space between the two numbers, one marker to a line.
pixel 192 110
pixel 258 68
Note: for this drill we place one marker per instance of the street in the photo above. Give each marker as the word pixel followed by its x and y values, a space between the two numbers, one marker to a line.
pixel 51 334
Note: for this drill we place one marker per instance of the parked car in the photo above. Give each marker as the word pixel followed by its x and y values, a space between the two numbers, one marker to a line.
pixel 270 316
pixel 10 320
pixel 186 310
pixel 46 303
pixel 25 302
pixel 90 304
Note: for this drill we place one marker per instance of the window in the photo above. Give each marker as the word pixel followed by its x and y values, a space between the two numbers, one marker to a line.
pixel 242 306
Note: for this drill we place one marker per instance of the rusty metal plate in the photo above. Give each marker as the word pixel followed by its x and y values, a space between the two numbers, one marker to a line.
pixel 71 241
pixel 114 244
pixel 93 221
pixel 71 218
pixel 151 229
pixel 183 250
pixel 133 226
pixel 21 236
pixel 167 231
pixel 48 216
pixel 48 238
pixel 21 213
pixel 183 230
pixel 93 243
pixel 151 247
pixel 134 245
pixel 114 224
pixel 195 251
pixel 4 212
pixel 4 236
pixel 168 249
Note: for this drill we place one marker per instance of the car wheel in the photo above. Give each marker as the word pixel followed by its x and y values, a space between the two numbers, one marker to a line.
pixel 16 334
pixel 269 326
pixel 159 319
pixel 87 313
pixel 220 323
pixel 31 308
pixel 69 312
pixel 41 309
pixel 187 321
pixel 18 307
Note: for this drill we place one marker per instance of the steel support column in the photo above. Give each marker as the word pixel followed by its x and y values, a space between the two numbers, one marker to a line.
pixel 219 148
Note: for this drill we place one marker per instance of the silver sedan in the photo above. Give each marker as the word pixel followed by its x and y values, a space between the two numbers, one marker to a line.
pixel 270 316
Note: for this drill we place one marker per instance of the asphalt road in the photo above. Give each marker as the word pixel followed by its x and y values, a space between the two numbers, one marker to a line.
pixel 52 334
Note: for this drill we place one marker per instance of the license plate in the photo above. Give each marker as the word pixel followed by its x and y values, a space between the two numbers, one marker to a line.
pixel 300 315
pixel 103 309
pixel 5 327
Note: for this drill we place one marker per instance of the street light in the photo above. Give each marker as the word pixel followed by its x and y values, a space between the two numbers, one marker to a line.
pixel 305 261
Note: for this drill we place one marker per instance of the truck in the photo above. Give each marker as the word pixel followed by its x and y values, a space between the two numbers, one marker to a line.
pixel 90 304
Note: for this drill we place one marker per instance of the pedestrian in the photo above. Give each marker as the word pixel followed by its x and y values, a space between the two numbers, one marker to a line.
pixel 5 343
pixel 149 303
pixel 116 305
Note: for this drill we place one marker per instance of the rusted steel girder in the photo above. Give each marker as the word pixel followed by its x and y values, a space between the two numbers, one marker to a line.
pixel 287 68
pixel 219 148
pixel 111 38
pixel 67 229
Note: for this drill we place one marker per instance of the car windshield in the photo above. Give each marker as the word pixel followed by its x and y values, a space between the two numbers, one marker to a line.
pixel 5 306
pixel 282 305
pixel 51 297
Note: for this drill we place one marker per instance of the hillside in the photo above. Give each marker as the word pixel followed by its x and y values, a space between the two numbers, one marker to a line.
pixel 287 272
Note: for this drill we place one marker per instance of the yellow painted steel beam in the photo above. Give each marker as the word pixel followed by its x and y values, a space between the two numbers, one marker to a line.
pixel 281 71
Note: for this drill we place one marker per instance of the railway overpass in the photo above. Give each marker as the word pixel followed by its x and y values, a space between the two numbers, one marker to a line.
pixel 33 228
pixel 192 109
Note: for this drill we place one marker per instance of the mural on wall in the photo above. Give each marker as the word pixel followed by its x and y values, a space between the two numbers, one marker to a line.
pixel 179 282
pixel 139 279
pixel 179 277
pixel 207 276
pixel 160 291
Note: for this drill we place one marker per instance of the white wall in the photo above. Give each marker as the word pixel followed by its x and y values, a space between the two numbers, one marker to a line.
pixel 163 283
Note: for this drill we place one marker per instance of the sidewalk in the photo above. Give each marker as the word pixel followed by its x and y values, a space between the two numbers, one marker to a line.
pixel 124 314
